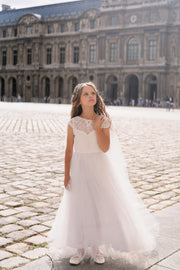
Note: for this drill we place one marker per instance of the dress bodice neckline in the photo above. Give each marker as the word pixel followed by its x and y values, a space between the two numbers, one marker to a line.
pixel 85 118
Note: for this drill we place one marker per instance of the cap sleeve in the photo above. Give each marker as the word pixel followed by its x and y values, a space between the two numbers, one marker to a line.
pixel 106 123
pixel 71 123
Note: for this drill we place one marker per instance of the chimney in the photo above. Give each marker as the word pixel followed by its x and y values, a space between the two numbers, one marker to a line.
pixel 5 7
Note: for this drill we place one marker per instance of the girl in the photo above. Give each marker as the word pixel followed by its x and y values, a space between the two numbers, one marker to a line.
pixel 100 211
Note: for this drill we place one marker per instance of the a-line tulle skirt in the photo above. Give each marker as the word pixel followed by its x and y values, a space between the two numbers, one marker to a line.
pixel 101 209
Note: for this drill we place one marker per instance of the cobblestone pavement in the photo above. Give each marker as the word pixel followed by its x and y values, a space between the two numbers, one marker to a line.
pixel 32 140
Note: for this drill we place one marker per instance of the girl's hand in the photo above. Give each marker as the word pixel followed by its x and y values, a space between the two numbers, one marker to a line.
pixel 67 182
pixel 97 122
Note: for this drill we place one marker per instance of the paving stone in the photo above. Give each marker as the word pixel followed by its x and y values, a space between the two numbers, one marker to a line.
pixel 16 192
pixel 8 212
pixel 13 203
pixel 5 241
pixel 42 218
pixel 39 228
pixel 37 240
pixel 43 263
pixel 24 215
pixel 3 207
pixel 8 220
pixel 28 222
pixel 39 204
pixel 35 253
pixel 3 195
pixel 10 228
pixel 48 223
pixel 26 208
pixel 45 210
pixel 18 248
pixel 4 255
pixel 20 234
pixel 13 262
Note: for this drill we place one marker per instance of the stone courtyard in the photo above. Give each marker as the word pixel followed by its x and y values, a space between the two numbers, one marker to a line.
pixel 32 145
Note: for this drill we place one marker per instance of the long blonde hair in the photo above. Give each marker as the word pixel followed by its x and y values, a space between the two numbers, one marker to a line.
pixel 99 107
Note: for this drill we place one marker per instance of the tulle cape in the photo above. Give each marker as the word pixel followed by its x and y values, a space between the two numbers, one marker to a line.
pixel 143 223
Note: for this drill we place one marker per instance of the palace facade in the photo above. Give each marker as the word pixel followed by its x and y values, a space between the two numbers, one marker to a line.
pixel 128 48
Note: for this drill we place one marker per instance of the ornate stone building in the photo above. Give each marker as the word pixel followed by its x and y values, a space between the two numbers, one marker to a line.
pixel 128 48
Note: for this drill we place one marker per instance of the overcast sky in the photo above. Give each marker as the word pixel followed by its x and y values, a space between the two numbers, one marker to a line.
pixel 30 3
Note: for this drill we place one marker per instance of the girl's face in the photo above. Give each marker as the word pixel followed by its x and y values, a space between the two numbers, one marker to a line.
pixel 88 96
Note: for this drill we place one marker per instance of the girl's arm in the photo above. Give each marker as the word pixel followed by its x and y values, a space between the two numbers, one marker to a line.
pixel 68 155
pixel 102 134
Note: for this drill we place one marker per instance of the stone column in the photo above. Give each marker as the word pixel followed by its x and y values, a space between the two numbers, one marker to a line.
pixel 9 56
pixel 162 90
pixel 52 94
pixel 65 90
pixel 123 89
pixel 141 85
pixel 69 52
pixel 20 57
pixel 55 57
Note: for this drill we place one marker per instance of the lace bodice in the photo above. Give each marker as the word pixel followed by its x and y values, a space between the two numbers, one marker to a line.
pixel 85 140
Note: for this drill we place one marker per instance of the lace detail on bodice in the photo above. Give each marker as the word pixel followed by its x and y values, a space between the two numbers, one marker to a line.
pixel 85 140
pixel 86 125
pixel 81 124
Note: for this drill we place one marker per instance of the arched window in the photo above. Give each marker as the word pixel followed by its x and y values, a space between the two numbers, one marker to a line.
pixel 14 90
pixel 133 50
pixel 2 87
pixel 112 83
pixel 60 87
pixel 47 87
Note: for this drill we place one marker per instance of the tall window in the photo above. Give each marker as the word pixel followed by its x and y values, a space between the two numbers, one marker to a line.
pixel 49 56
pixel 4 33
pixel 62 55
pixel 76 55
pixel 152 49
pixel 15 57
pixel 153 17
pixel 15 32
pixel 133 49
pixel 102 48
pixel 28 30
pixel 173 52
pixel 62 28
pixel 49 29
pixel 29 56
pixel 113 52
pixel 92 24
pixel 113 21
pixel 76 27
pixel 92 56
pixel 4 58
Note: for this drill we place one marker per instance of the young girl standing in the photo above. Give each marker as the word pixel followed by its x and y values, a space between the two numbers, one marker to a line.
pixel 100 210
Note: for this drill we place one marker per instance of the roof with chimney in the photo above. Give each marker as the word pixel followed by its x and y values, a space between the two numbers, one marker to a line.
pixel 48 12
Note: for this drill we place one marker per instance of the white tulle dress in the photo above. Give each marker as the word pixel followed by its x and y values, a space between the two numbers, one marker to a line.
pixel 101 209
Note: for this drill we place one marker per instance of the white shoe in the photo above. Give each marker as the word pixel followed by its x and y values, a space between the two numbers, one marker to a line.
pixel 99 258
pixel 78 257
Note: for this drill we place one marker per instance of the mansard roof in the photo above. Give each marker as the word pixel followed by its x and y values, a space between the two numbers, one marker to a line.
pixel 48 12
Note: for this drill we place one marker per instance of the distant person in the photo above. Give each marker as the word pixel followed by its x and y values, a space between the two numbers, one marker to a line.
pixel 171 103
pixel 167 103
pixel 49 99
pixel 18 98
